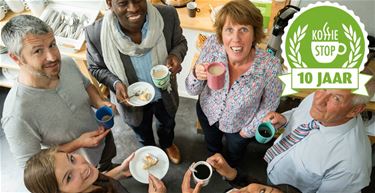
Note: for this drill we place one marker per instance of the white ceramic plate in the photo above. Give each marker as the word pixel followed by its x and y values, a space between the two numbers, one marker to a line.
pixel 214 12
pixel 140 86
pixel 159 170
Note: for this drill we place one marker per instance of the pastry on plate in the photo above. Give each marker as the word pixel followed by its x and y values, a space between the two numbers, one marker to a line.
pixel 149 160
pixel 144 96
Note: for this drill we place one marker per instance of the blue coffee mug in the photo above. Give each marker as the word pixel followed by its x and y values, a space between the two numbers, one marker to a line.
pixel 265 132
pixel 104 116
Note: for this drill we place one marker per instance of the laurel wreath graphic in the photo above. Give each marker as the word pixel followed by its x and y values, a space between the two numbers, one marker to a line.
pixel 354 46
pixel 295 44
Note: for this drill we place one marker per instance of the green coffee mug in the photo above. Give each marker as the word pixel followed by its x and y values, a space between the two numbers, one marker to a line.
pixel 160 76
pixel 265 132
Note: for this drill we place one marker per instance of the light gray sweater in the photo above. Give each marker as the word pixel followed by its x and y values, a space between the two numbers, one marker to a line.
pixel 34 117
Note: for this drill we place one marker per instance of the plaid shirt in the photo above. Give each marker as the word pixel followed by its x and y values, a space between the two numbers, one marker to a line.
pixel 243 105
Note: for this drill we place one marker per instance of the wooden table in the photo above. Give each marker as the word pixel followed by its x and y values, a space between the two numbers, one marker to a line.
pixel 203 21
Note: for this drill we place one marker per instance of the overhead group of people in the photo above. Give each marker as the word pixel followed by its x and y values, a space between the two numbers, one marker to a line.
pixel 324 147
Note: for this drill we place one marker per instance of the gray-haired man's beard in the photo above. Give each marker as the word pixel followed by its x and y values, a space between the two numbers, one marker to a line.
pixel 44 75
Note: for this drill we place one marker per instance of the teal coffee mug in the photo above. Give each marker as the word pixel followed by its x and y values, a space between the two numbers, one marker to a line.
pixel 160 76
pixel 265 132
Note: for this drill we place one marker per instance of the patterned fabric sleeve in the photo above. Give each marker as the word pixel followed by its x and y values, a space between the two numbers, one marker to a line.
pixel 192 84
pixel 270 99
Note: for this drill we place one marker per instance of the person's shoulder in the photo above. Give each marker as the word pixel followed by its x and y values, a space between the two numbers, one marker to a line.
pixel 268 61
pixel 65 60
pixel 212 39
pixel 349 144
pixel 10 100
pixel 212 46
pixel 264 55
pixel 166 10
pixel 68 65
pixel 94 27
pixel 17 106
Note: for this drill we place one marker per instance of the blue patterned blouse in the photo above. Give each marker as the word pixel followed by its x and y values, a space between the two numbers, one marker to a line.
pixel 243 105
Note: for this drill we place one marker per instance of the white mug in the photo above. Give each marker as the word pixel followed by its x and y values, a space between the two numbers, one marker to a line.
pixel 196 174
pixel 3 12
pixel 326 52
pixel 36 6
pixel 15 5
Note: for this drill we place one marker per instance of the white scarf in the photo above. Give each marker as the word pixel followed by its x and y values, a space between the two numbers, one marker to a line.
pixel 112 42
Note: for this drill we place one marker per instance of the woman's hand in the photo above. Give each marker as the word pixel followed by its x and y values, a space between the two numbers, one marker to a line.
pixel 122 170
pixel 243 134
pixel 276 119
pixel 125 166
pixel 92 138
pixel 218 162
pixel 200 72
pixel 155 185
pixel 185 186
pixel 87 139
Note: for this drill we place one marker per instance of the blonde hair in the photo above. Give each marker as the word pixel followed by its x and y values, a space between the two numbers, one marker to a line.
pixel 39 173
pixel 242 12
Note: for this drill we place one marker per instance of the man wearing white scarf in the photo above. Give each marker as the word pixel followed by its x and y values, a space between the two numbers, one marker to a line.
pixel 122 47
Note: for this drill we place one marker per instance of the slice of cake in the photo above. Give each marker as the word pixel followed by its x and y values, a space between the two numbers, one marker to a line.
pixel 144 96
pixel 149 160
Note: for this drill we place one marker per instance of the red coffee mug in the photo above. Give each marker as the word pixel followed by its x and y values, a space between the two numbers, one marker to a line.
pixel 215 75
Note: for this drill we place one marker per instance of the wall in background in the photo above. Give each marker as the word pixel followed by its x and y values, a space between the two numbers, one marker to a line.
pixel 364 9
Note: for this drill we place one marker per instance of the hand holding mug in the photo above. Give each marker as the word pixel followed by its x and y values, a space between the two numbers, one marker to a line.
pixel 276 119
pixel 200 71
pixel 92 138
pixel 174 64
pixel 218 162
pixel 185 186
pixel 155 185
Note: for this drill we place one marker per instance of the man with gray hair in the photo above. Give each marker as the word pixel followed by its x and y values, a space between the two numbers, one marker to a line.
pixel 324 147
pixel 50 103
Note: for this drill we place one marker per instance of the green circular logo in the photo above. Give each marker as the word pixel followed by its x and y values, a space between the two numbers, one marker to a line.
pixel 324 46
